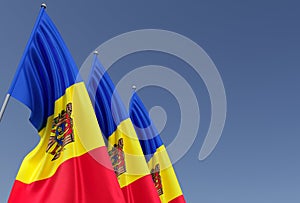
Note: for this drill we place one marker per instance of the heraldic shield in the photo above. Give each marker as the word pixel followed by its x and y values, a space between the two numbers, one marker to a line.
pixel 61 133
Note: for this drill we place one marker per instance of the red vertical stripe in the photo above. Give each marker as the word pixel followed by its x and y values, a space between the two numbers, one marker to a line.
pixel 141 191
pixel 179 199
pixel 78 180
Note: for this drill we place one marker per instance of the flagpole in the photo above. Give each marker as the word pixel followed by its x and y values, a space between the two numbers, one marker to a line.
pixel 4 106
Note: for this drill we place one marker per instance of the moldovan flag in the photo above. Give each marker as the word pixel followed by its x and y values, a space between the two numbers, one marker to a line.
pixel 125 151
pixel 159 164
pixel 70 163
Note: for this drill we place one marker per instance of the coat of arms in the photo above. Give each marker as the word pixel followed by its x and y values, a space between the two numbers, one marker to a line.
pixel 61 133
pixel 117 158
pixel 155 173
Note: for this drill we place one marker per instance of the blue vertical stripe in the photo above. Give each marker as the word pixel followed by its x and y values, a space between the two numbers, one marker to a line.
pixel 147 133
pixel 109 108
pixel 45 71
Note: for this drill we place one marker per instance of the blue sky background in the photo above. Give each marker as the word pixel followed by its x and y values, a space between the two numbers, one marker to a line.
pixel 256 48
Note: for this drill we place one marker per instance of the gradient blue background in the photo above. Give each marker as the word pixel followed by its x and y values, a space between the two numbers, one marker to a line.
pixel 256 48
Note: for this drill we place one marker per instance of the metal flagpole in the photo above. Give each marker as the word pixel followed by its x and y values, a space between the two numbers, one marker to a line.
pixel 4 105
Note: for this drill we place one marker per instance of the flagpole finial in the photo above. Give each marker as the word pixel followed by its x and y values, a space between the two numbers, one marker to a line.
pixel 44 5
pixel 96 52
pixel 133 88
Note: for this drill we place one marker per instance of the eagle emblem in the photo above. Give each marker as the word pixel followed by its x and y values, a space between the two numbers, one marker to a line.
pixel 155 173
pixel 61 132
pixel 117 158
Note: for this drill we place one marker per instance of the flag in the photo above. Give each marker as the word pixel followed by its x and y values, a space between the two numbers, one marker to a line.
pixel 159 163
pixel 70 163
pixel 123 145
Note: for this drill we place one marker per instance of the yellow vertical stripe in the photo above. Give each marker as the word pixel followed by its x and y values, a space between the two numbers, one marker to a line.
pixel 38 164
pixel 170 186
pixel 136 166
